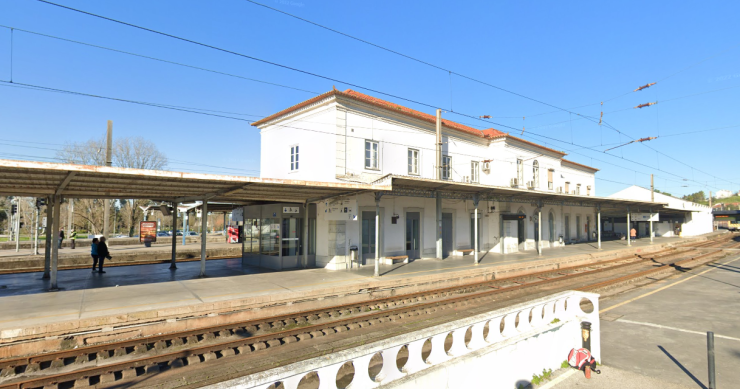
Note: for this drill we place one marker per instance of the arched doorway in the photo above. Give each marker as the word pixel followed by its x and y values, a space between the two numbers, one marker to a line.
pixel 551 227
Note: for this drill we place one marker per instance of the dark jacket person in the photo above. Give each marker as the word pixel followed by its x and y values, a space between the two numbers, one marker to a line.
pixel 103 253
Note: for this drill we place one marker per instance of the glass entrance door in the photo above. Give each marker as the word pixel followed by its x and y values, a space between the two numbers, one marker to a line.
pixel 368 234
pixel 446 234
pixel 413 235
pixel 292 237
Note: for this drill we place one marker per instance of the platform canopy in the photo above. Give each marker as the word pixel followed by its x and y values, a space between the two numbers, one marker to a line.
pixel 422 187
pixel 42 179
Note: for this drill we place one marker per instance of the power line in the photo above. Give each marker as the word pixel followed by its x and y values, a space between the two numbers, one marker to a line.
pixel 158 59
pixel 192 110
pixel 252 57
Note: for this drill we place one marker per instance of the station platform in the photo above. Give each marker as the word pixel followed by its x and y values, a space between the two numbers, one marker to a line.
pixel 655 336
pixel 157 299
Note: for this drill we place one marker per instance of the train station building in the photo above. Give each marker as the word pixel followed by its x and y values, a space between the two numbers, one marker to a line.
pixel 349 180
pixel 517 195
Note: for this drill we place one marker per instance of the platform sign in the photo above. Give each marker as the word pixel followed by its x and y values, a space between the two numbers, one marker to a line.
pixel 147 232
pixel 644 217
pixel 340 210
pixel 291 209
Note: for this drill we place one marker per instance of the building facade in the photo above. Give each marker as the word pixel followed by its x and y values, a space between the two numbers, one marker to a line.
pixel 347 136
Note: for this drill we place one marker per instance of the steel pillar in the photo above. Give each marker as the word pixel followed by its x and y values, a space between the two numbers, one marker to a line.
pixel 305 237
pixel 203 237
pixel 651 225
pixel 173 261
pixel 598 221
pixel 539 231
pixel 377 234
pixel 48 241
pixel 439 224
pixel 629 230
pixel 55 243
pixel 475 228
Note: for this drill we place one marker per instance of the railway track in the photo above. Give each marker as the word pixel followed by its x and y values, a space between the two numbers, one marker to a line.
pixel 113 363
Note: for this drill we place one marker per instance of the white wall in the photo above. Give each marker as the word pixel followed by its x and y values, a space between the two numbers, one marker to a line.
pixel 332 135
pixel 313 132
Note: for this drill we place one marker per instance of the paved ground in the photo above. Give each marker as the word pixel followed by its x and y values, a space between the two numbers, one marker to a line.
pixel 146 287
pixel 133 248
pixel 658 333
pixel 610 378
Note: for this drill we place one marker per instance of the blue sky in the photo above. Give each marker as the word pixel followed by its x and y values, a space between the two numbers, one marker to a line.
pixel 572 54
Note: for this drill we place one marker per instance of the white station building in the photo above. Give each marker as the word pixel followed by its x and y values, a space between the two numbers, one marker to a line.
pixel 677 218
pixel 521 189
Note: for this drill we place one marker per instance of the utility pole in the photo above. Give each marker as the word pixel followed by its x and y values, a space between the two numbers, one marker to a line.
pixel 652 189
pixel 710 199
pixel 108 162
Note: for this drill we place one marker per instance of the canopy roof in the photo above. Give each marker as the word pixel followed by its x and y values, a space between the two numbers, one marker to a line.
pixel 411 185
pixel 41 179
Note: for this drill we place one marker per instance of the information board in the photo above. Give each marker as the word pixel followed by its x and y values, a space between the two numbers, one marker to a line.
pixel 291 209
pixel 340 210
pixel 148 232
pixel 643 217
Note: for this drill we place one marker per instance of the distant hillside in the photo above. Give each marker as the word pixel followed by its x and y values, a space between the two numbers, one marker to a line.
pixel 726 200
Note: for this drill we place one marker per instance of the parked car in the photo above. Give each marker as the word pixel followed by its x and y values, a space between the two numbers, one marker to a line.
pixel 192 233
pixel 162 233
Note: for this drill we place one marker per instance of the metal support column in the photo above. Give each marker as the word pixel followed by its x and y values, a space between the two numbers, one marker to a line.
pixel 305 237
pixel 36 232
pixel 48 241
pixel 18 225
pixel 439 225
pixel 203 238
pixel 651 225
pixel 55 242
pixel 377 234
pixel 598 221
pixel 173 261
pixel 539 230
pixel 185 226
pixel 476 246
pixel 629 230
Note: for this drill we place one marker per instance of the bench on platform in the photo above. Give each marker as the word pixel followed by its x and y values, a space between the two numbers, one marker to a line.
pixel 396 259
pixel 462 252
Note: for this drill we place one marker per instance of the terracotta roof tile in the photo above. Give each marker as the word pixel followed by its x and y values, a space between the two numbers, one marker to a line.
pixel 578 164
pixel 489 133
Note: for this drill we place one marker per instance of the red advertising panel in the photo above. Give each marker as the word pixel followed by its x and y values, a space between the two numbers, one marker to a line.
pixel 147 232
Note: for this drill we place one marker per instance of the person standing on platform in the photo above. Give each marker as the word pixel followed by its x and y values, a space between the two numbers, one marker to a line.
pixel 103 253
pixel 633 233
pixel 72 237
pixel 94 253
pixel 61 237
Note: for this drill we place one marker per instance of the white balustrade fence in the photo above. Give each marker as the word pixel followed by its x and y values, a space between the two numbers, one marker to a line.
pixel 546 329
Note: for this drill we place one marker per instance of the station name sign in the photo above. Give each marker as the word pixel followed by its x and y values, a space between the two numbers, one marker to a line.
pixel 644 217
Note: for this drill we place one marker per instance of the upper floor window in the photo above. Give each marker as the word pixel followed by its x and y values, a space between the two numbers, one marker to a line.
pixel 536 173
pixel 371 154
pixel 567 187
pixel 520 170
pixel 578 189
pixel 414 162
pixel 294 157
pixel 549 179
pixel 588 190
pixel 474 171
pixel 446 167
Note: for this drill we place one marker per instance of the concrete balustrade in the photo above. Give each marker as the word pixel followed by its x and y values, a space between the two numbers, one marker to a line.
pixel 541 341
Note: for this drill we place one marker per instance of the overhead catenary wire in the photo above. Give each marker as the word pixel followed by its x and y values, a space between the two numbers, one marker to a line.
pixel 155 59
pixel 250 121
pixel 307 72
